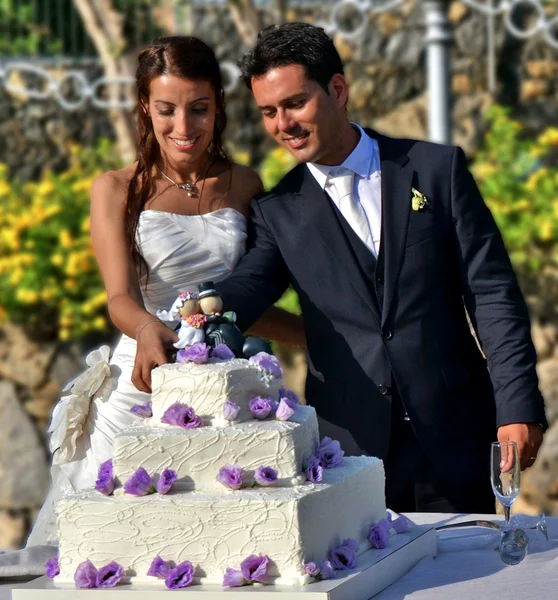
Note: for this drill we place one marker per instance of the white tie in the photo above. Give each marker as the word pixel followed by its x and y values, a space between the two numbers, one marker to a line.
pixel 340 182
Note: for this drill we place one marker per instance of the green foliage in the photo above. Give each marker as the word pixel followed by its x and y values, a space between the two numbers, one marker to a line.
pixel 49 281
pixel 518 179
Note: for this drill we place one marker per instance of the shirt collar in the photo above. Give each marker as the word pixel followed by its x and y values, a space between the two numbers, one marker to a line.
pixel 361 160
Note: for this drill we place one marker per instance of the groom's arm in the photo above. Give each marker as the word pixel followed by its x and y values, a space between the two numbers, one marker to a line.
pixel 261 277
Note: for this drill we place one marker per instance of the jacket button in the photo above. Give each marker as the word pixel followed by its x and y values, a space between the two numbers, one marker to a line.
pixel 383 389
pixel 387 334
pixel 380 280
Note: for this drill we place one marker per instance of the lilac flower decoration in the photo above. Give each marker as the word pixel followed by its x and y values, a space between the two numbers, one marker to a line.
pixel 378 534
pixel 181 416
pixel 86 575
pixel 230 477
pixel 344 557
pixel 254 568
pixel 267 362
pixel 312 569
pixel 196 353
pixel 105 480
pixel 265 476
pixel 326 570
pixel 180 576
pixel 261 407
pixel 401 524
pixel 222 352
pixel 233 578
pixel 314 470
pixel 290 397
pixel 109 575
pixel 284 411
pixel 167 478
pixel 158 568
pixel 143 410
pixel 329 453
pixel 52 568
pixel 139 484
pixel 230 410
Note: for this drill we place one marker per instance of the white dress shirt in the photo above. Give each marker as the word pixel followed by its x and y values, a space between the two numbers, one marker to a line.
pixel 364 161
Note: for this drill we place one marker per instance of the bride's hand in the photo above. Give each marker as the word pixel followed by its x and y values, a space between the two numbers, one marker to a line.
pixel 153 341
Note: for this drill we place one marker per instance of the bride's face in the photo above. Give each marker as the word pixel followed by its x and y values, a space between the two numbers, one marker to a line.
pixel 183 115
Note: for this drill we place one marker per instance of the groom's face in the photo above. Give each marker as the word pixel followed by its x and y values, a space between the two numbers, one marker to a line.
pixel 301 115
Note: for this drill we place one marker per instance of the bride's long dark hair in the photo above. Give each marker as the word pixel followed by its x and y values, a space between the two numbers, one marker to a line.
pixel 181 56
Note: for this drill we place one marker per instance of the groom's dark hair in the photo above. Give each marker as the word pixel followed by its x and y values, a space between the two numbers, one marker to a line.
pixel 292 44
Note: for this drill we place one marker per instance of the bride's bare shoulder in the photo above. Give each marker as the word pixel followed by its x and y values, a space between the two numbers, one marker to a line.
pixel 112 186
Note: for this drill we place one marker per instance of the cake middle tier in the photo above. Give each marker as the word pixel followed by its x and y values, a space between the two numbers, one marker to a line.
pixel 197 454
pixel 206 387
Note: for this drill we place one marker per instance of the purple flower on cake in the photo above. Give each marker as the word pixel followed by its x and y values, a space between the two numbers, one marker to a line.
pixel 267 362
pixel 230 411
pixel 105 480
pixel 379 533
pixel 167 478
pixel 344 556
pixel 314 470
pixel 401 524
pixel 265 476
pixel 86 575
pixel 284 411
pixel 180 576
pixel 158 568
pixel 181 416
pixel 326 570
pixel 196 353
pixel 254 568
pixel 312 569
pixel 143 410
pixel 230 476
pixel 329 453
pixel 222 352
pixel 233 578
pixel 290 397
pixel 261 407
pixel 109 575
pixel 139 484
pixel 52 568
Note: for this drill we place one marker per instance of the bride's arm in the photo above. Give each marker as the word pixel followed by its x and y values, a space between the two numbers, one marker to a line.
pixel 125 304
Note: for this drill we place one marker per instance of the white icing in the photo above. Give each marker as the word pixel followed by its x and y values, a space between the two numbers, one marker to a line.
pixel 207 387
pixel 197 454
pixel 219 529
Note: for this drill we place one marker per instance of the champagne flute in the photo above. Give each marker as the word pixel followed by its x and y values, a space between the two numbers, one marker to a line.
pixel 504 474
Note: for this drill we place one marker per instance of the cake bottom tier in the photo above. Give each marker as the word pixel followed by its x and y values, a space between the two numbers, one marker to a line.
pixel 215 531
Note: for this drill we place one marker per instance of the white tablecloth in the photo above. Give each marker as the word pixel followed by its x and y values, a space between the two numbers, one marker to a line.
pixel 468 566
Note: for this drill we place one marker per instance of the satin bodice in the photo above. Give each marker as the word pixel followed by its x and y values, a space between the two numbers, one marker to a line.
pixel 183 251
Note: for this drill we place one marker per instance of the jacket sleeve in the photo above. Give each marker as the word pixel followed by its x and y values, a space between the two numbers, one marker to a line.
pixel 494 302
pixel 261 276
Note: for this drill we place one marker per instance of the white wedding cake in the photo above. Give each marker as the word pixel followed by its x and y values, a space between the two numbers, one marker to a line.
pixel 296 515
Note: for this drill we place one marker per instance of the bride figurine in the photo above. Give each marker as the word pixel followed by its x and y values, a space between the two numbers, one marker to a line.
pixel 186 310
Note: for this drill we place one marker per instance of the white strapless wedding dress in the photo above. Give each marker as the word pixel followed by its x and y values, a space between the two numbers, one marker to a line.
pixel 182 251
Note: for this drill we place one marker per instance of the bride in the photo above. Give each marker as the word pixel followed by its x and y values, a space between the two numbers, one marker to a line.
pixel 174 219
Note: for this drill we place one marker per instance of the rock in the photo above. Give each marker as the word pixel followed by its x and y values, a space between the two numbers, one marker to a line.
pixel 547 371
pixel 543 344
pixel 23 466
pixel 408 120
pixel 13 528
pixel 40 404
pixel 533 88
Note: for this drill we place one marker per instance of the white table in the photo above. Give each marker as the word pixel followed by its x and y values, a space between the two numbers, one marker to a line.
pixel 467 567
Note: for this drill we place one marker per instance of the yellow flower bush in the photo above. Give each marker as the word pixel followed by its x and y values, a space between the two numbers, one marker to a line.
pixel 518 178
pixel 49 281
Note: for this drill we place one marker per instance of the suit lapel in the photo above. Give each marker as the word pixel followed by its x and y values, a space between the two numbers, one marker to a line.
pixel 397 179
pixel 312 204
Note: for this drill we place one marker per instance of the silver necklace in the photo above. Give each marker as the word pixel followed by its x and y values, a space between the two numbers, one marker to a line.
pixel 190 188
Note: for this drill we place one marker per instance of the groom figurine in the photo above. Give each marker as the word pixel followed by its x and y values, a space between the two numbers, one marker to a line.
pixel 387 242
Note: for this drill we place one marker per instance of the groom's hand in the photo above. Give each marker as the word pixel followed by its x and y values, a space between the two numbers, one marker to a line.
pixel 528 437
pixel 153 345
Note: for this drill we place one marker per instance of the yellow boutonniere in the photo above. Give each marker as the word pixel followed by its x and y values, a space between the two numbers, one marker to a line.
pixel 419 200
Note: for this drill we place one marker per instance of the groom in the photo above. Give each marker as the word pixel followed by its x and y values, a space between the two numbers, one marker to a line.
pixel 386 242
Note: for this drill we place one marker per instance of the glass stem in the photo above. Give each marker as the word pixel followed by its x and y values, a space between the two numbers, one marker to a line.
pixel 507 510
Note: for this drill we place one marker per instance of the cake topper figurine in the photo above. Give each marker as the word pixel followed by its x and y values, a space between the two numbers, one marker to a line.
pixel 185 310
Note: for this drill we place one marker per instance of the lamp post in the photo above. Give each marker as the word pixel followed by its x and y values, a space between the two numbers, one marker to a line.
pixel 438 40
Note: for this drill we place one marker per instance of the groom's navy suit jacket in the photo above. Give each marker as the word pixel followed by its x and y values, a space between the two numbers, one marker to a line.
pixel 399 320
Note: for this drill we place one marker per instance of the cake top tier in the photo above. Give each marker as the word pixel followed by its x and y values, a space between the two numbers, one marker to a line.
pixel 206 387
